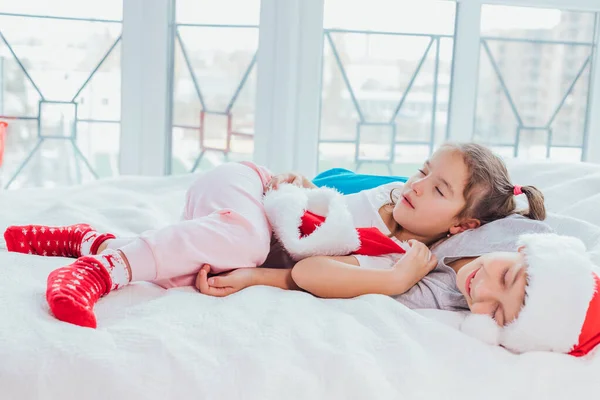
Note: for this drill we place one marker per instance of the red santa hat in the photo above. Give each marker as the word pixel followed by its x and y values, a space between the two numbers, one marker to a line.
pixel 311 222
pixel 561 312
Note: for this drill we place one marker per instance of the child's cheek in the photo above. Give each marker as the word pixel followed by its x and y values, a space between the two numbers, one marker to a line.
pixel 400 215
pixel 397 212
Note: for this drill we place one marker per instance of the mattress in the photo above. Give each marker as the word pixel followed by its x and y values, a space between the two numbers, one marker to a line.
pixel 261 343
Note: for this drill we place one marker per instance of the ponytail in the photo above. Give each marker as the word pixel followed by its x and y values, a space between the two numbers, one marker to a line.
pixel 535 198
pixel 489 193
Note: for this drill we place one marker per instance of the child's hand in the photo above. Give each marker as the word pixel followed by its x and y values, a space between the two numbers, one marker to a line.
pixel 291 178
pixel 416 263
pixel 224 284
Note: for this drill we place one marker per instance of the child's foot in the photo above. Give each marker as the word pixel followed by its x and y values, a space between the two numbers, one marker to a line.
pixel 63 241
pixel 73 290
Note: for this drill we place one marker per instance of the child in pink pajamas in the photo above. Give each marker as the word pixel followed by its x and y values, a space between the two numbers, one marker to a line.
pixel 224 225
pixel 223 221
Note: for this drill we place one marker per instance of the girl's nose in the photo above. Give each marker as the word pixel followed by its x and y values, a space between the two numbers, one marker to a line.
pixel 417 186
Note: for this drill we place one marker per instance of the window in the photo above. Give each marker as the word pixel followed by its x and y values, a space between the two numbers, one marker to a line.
pixel 54 75
pixel 386 83
pixel 214 82
pixel 533 97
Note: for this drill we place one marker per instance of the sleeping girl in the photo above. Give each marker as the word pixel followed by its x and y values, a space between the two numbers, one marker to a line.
pixel 544 297
pixel 228 222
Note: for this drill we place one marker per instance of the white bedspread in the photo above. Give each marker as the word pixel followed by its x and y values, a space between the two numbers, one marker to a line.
pixel 262 343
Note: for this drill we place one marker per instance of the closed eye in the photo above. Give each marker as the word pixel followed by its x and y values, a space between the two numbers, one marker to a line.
pixel 422 172
pixel 493 313
pixel 504 275
pixel 439 191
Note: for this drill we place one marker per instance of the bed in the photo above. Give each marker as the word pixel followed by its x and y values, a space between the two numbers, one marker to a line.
pixel 261 343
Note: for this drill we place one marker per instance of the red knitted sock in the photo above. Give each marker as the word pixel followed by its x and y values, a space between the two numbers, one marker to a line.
pixel 73 290
pixel 63 241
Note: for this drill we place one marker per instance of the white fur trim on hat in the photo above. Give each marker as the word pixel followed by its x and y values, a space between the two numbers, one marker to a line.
pixel 285 207
pixel 560 287
pixel 481 327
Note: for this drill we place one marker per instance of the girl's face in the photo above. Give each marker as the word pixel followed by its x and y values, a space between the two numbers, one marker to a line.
pixel 494 284
pixel 433 197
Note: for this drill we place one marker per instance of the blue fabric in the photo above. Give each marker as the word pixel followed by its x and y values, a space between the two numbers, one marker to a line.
pixel 348 182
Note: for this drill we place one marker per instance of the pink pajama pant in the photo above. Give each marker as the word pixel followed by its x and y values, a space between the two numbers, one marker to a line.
pixel 223 224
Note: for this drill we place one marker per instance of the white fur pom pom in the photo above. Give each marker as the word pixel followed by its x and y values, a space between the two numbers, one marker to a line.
pixel 481 327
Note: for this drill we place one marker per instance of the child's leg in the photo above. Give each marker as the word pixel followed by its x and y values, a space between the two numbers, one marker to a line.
pixel 62 241
pixel 229 230
pixel 225 227
pixel 114 243
pixel 73 290
pixel 83 240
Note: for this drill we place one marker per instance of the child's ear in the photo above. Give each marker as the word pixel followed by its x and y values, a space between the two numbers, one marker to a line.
pixel 465 225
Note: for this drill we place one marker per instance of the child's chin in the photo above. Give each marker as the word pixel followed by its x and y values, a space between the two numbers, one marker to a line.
pixel 461 280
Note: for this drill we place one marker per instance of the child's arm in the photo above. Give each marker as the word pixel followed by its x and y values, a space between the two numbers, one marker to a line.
pixel 291 178
pixel 236 280
pixel 340 277
pixel 328 277
pixel 336 277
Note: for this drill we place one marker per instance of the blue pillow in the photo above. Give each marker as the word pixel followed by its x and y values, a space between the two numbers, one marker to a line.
pixel 348 182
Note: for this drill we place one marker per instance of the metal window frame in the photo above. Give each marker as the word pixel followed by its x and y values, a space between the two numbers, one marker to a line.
pixel 466 65
pixel 205 110
pixel 287 119
pixel 41 138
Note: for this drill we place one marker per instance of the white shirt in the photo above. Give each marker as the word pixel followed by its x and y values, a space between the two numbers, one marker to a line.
pixel 364 207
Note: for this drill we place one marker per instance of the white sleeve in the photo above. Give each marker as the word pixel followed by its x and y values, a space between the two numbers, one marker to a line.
pixel 376 262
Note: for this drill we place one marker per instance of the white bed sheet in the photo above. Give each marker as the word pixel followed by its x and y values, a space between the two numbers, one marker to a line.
pixel 262 343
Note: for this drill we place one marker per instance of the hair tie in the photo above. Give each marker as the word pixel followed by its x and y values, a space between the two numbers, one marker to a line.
pixel 517 190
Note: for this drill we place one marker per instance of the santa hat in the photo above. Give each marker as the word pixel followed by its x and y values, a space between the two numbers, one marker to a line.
pixel 312 222
pixel 562 303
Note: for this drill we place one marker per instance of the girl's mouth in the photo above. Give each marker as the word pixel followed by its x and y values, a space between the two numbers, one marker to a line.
pixel 469 281
pixel 407 201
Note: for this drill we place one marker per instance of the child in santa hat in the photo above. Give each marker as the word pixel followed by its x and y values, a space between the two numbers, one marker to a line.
pixel 228 222
pixel 542 298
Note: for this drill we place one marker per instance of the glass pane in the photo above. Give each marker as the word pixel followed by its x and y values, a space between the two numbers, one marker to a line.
pixel 409 16
pixel 99 144
pixel 20 139
pixel 106 9
pixel 219 58
pixel 532 144
pixel 375 142
pixel 222 12
pixel 53 162
pixel 536 23
pixel 214 83
pixel 336 155
pixel 533 77
pixel 18 96
pixel 398 76
pixel 59 55
pixel 503 151
pixel 64 77
pixel 185 149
